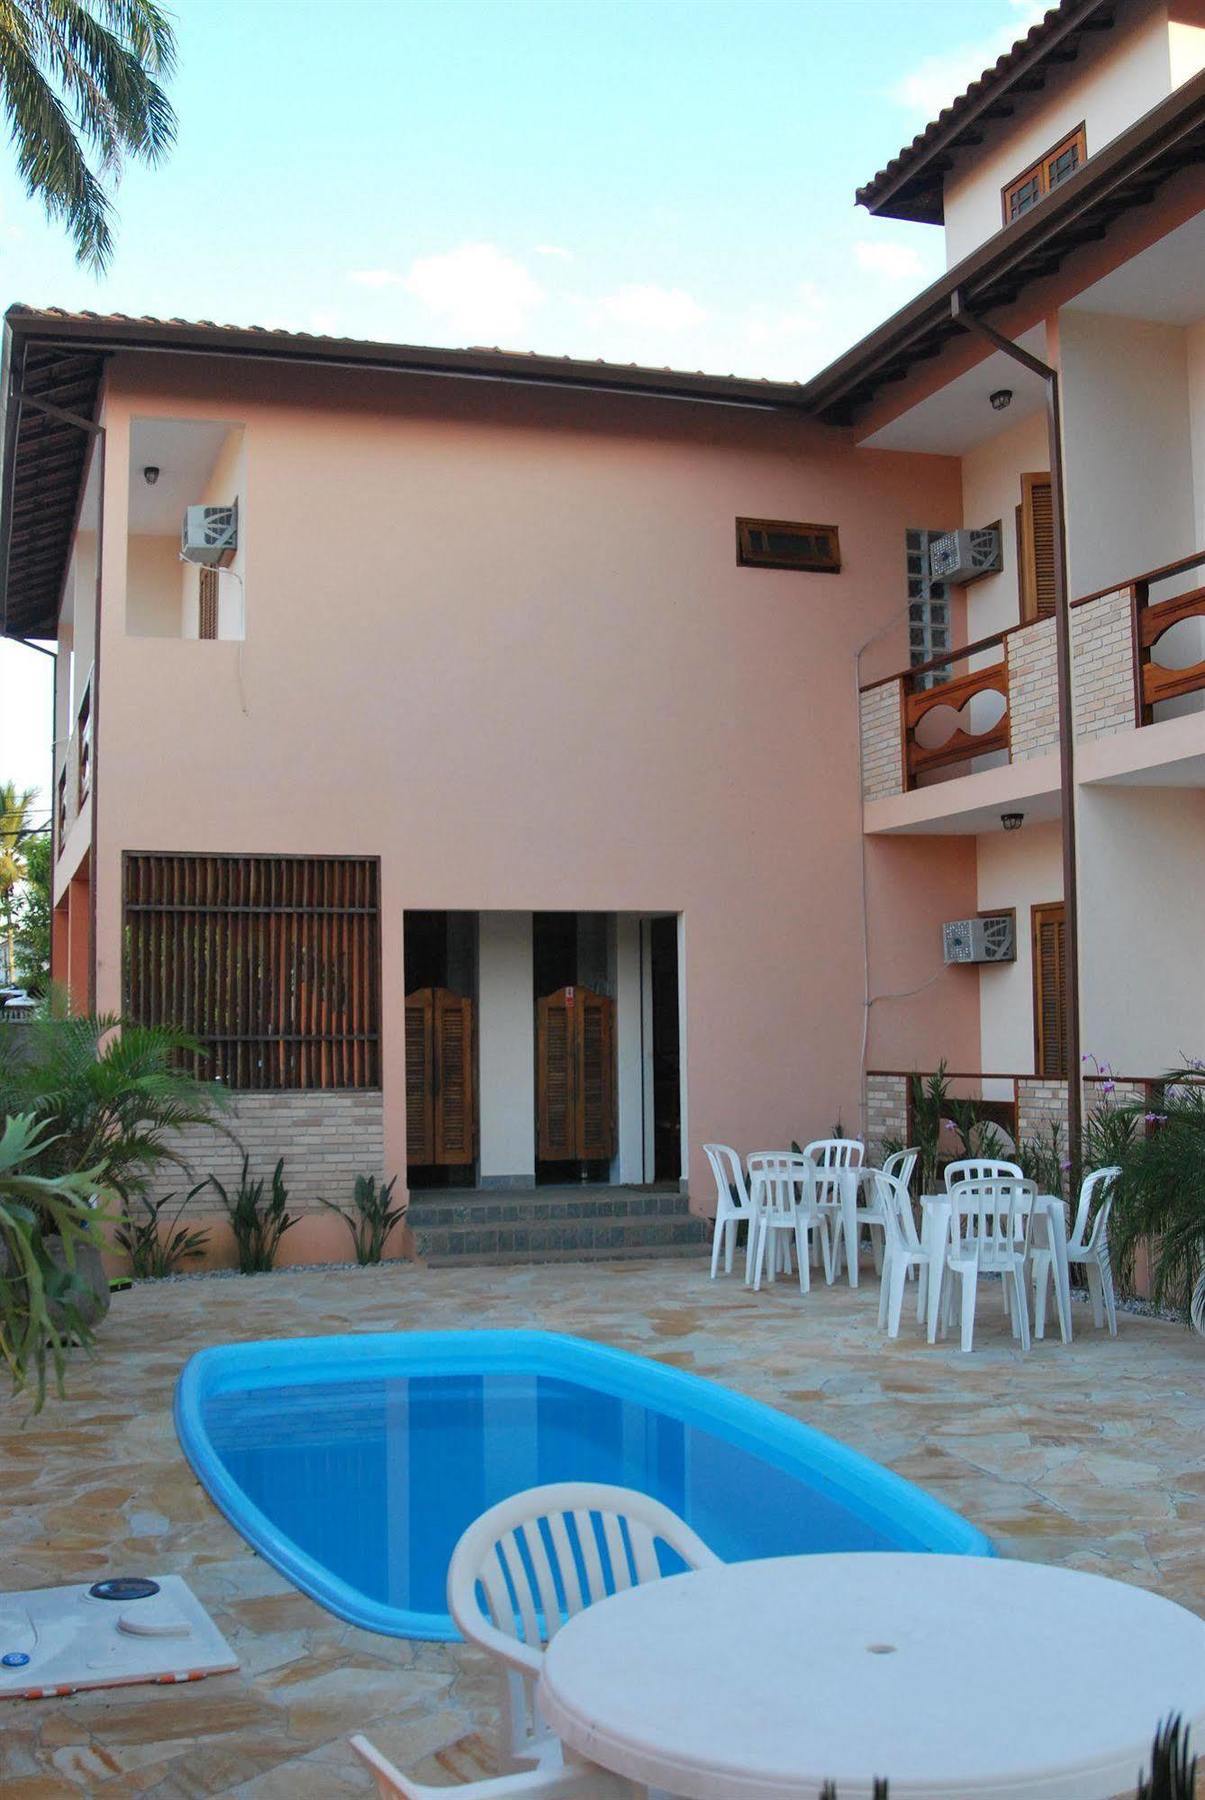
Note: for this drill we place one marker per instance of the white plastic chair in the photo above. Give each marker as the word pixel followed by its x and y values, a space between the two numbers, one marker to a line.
pixel 533 1561
pixel 782 1188
pixel 1089 1247
pixel 993 1240
pixel 973 1168
pixel 830 1154
pixel 869 1205
pixel 581 1782
pixel 902 1248
pixel 730 1211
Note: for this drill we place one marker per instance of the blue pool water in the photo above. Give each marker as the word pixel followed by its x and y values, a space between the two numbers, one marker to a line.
pixel 354 1463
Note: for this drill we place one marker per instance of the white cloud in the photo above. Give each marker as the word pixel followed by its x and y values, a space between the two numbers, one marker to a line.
pixel 938 79
pixel 476 291
pixel 648 307
pixel 898 262
pixel 554 250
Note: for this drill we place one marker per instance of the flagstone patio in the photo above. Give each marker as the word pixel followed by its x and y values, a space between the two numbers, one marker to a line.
pixel 1092 1456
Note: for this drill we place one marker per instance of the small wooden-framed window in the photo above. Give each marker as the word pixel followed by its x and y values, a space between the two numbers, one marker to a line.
pixel 1045 175
pixel 782 544
pixel 1035 547
pixel 208 592
pixel 1048 926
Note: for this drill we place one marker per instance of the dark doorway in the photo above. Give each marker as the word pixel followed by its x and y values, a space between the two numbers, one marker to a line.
pixel 667 1112
pixel 574 1044
pixel 440 973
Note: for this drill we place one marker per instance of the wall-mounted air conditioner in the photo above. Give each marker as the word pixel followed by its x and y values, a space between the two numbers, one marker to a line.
pixel 964 556
pixel 988 940
pixel 209 535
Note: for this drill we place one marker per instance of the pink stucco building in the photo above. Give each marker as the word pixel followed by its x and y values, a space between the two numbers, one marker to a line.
pixel 555 770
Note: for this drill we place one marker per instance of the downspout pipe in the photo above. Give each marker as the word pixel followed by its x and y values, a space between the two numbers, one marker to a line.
pixel 962 315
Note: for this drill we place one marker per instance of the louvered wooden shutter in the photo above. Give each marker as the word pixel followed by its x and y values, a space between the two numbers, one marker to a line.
pixel 455 1135
pixel 208 589
pixel 595 1076
pixel 1050 990
pixel 420 1078
pixel 575 1076
pixel 441 1119
pixel 556 1130
pixel 1037 547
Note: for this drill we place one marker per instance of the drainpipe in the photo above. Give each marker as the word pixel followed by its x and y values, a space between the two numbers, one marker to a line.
pixel 961 315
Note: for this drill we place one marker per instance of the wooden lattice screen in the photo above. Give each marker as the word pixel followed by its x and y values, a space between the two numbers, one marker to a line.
pixel 272 963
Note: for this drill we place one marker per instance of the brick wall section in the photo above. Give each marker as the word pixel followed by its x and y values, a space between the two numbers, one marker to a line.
pixel 1102 648
pixel 1033 702
pixel 1040 1104
pixel 886 1111
pixel 881 747
pixel 326 1139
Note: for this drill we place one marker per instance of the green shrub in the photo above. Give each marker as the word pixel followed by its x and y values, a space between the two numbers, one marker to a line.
pixel 33 1209
pixel 155 1246
pixel 1159 1198
pixel 258 1221
pixel 373 1219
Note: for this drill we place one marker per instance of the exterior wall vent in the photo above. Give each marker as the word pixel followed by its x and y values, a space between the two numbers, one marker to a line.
pixel 988 940
pixel 209 535
pixel 964 556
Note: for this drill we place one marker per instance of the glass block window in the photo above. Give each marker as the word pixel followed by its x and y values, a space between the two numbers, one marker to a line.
pixel 928 607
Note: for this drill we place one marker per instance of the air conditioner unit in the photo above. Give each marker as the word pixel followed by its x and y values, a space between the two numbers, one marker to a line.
pixel 963 556
pixel 988 940
pixel 209 535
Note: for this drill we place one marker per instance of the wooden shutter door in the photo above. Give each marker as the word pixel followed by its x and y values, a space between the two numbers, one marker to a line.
pixel 1050 990
pixel 595 1045
pixel 575 1076
pixel 420 1078
pixel 556 1126
pixel 1037 547
pixel 455 1118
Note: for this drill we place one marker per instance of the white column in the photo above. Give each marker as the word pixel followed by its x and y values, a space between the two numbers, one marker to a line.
pixel 629 1051
pixel 506 1050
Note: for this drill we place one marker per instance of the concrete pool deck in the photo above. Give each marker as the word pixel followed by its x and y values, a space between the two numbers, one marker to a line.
pixel 1092 1456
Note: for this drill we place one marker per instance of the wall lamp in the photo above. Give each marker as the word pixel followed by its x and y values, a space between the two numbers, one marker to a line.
pixel 1012 821
pixel 151 473
pixel 1001 400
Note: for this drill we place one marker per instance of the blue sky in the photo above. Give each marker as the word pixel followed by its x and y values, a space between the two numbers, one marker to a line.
pixel 664 181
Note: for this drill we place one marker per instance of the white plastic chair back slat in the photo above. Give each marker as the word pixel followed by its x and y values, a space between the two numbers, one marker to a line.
pixel 836 1153
pixel 1088 1193
pixel 541 1557
pixel 901 1165
pixel 972 1168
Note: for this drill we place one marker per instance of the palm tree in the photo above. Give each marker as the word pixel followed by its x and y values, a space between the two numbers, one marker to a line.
pixel 77 79
pixel 14 829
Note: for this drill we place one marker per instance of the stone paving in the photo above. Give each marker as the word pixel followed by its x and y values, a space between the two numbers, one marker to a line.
pixel 1092 1456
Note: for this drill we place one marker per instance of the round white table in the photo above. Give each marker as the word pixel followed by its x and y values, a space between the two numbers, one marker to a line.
pixel 958 1678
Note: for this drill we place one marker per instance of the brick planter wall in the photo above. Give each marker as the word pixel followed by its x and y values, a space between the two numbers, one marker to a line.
pixel 326 1139
pixel 886 1111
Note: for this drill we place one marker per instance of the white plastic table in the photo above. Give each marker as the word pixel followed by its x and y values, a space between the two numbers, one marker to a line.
pixel 936 1212
pixel 958 1678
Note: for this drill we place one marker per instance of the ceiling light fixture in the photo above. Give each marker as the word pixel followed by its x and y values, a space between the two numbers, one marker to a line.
pixel 1001 400
pixel 150 474
pixel 1012 821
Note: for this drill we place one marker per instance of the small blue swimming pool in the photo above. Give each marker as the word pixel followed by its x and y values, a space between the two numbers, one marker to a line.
pixel 354 1463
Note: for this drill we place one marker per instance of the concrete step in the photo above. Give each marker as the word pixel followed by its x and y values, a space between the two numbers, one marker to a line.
pixel 555 1239
pixel 541 1205
pixel 511 1258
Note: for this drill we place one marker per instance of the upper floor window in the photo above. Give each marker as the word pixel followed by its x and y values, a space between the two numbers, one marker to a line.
pixel 782 544
pixel 1045 175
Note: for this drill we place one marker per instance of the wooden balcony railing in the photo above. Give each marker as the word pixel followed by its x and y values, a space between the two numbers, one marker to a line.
pixel 958 697
pixel 1156 681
